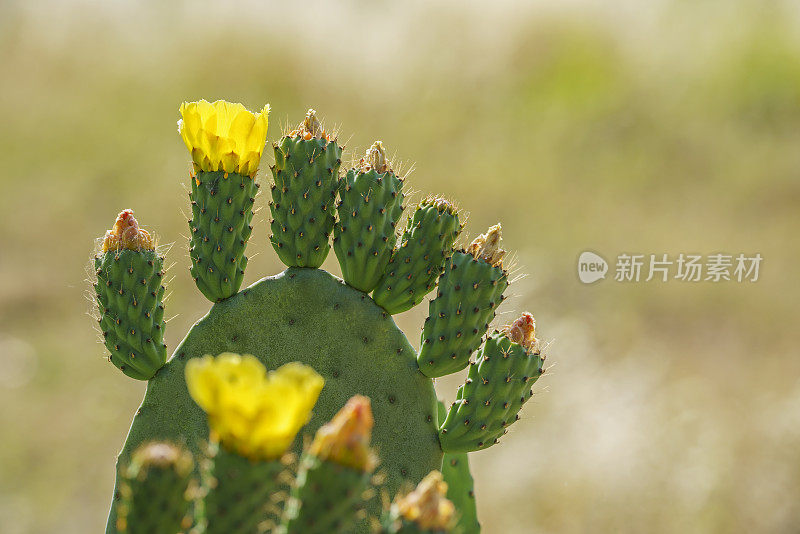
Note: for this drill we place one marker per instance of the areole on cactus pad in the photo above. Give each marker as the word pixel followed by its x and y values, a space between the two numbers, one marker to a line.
pixel 306 318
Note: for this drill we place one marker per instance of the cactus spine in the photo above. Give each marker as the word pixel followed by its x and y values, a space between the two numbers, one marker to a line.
pixel 306 174
pixel 416 263
pixel 370 206
pixel 129 297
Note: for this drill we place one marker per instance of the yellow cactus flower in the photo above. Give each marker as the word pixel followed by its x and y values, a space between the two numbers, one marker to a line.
pixel 427 505
pixel 250 411
pixel 345 439
pixel 222 136
pixel 126 234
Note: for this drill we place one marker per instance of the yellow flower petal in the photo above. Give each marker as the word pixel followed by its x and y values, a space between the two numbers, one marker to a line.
pixel 255 413
pixel 223 135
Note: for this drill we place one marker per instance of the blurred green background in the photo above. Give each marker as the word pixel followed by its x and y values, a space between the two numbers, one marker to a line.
pixel 650 127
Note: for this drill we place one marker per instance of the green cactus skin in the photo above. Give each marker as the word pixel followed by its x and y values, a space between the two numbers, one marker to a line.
pixel 363 239
pixel 395 525
pixel 416 263
pixel 310 316
pixel 306 174
pixel 468 294
pixel 155 491
pixel 238 492
pixel 497 385
pixel 129 297
pixel 325 498
pixel 222 210
pixel 460 486
pixel 461 490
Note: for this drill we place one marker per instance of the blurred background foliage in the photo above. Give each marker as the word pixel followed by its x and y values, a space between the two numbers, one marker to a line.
pixel 639 127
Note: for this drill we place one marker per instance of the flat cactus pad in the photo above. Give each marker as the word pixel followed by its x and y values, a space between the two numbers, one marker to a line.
pixel 311 316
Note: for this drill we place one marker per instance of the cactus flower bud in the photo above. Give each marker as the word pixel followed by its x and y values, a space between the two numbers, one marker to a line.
pixel 126 234
pixel 441 204
pixel 163 456
pixel 311 127
pixel 345 439
pixel 486 247
pixel 375 159
pixel 523 331
pixel 427 505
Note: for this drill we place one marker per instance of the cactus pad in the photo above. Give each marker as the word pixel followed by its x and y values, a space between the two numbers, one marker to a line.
pixel 222 209
pixel 239 492
pixel 313 317
pixel 155 491
pixel 498 384
pixel 306 174
pixel 325 498
pixel 371 204
pixel 417 262
pixel 129 294
pixel 468 294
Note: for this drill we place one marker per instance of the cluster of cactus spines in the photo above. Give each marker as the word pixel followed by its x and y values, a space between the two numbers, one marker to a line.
pixel 370 207
pixel 223 191
pixel 469 291
pixel 497 385
pixel 416 263
pixel 425 510
pixel 157 493
pixel 334 473
pixel 308 318
pixel 129 294
pixel 306 175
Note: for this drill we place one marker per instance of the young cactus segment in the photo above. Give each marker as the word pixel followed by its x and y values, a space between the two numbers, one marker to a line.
pixel 424 510
pixel 238 492
pixel 226 142
pixel 497 386
pixel 470 289
pixel 129 297
pixel 155 494
pixel 426 244
pixel 370 206
pixel 334 473
pixel 306 175
pixel 222 210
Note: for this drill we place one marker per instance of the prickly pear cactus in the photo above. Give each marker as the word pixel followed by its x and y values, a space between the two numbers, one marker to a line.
pixel 327 324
